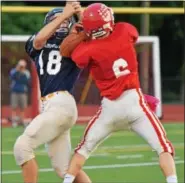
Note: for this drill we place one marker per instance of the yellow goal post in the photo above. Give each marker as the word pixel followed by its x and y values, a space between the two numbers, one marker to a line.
pixel 122 10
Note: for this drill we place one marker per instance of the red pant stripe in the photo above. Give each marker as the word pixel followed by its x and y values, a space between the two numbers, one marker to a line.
pixel 155 123
pixel 167 141
pixel 92 121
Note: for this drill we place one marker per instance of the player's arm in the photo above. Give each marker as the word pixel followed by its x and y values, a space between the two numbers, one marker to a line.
pixel 132 31
pixel 47 31
pixel 29 48
pixel 80 55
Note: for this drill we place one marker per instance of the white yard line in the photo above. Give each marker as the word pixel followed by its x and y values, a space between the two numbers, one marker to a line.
pixel 134 146
pixel 100 155
pixel 8 172
pixel 156 159
pixel 132 156
pixel 115 135
pixel 106 147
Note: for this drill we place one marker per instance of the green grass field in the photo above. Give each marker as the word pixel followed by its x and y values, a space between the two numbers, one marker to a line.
pixel 124 157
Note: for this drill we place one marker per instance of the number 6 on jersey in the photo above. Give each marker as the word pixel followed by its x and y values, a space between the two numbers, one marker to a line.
pixel 120 67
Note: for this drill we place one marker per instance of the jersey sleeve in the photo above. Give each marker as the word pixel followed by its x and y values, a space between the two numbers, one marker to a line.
pixel 132 31
pixel 30 50
pixel 80 55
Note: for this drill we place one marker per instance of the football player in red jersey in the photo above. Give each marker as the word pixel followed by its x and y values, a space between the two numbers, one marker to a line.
pixel 111 57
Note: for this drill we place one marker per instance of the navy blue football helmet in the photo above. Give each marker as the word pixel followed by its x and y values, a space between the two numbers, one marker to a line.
pixel 64 30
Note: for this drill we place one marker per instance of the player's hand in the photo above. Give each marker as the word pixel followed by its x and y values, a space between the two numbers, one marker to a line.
pixel 77 27
pixel 79 11
pixel 71 8
pixel 18 68
pixel 70 1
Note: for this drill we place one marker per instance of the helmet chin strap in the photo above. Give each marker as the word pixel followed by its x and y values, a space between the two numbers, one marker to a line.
pixel 102 36
pixel 102 33
pixel 98 34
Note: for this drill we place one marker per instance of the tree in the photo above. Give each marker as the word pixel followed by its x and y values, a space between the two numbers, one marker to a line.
pixel 21 23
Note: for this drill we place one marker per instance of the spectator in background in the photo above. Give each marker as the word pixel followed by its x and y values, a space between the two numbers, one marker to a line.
pixel 20 80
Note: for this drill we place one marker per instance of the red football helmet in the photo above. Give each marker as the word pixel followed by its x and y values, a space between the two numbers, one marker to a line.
pixel 98 20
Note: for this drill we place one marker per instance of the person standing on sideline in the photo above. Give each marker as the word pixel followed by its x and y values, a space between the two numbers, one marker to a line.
pixel 20 80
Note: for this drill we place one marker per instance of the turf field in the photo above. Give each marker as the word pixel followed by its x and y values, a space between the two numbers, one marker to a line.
pixel 124 157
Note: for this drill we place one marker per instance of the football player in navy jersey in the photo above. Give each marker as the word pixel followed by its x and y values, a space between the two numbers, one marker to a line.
pixel 57 76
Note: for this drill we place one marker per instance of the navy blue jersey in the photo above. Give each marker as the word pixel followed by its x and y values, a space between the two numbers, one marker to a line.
pixel 55 72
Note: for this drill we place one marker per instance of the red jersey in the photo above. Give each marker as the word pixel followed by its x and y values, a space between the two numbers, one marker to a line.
pixel 112 60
